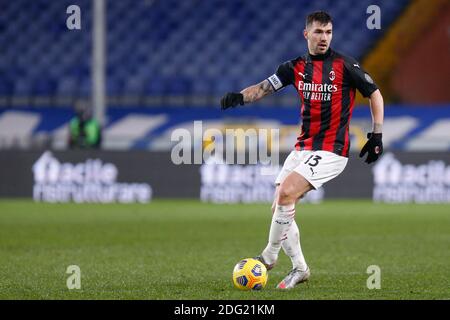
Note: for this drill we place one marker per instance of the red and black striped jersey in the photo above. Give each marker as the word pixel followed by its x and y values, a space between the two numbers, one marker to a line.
pixel 326 85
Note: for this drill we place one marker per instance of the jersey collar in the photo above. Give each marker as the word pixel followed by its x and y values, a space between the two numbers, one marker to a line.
pixel 319 56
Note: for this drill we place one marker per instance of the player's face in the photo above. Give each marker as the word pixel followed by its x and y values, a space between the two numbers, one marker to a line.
pixel 318 37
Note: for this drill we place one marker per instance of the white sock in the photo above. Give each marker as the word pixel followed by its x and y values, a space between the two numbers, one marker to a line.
pixel 291 246
pixel 281 222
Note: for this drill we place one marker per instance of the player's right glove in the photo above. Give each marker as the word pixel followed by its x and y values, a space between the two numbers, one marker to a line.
pixel 231 99
pixel 373 147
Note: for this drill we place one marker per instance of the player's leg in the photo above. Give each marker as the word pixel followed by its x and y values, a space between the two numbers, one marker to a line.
pixel 291 246
pixel 319 168
pixel 292 161
pixel 300 271
pixel 292 188
pixel 274 204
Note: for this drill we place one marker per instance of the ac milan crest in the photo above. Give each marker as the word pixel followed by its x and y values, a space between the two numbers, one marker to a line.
pixel 332 75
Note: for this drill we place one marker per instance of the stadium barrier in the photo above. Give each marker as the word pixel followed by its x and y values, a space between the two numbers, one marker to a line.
pixel 405 128
pixel 140 176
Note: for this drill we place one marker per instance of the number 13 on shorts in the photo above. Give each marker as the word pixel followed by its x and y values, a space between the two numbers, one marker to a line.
pixel 317 167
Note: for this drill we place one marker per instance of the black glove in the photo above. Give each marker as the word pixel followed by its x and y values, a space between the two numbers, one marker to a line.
pixel 231 99
pixel 373 146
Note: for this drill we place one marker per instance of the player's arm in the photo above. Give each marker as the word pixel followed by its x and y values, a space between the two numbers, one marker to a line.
pixel 374 144
pixel 248 95
pixel 257 91
pixel 365 84
pixel 284 76
pixel 377 111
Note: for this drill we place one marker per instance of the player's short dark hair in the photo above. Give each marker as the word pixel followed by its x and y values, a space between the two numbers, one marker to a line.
pixel 320 16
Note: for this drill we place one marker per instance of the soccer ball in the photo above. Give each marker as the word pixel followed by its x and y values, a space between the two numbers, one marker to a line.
pixel 249 274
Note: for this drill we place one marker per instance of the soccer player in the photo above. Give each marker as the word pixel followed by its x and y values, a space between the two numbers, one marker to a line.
pixel 326 82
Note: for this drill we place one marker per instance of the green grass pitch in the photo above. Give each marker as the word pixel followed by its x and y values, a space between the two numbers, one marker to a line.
pixel 186 250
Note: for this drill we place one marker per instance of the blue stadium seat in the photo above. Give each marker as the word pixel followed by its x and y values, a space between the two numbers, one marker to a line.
pixel 168 47
pixel 6 87
pixel 44 86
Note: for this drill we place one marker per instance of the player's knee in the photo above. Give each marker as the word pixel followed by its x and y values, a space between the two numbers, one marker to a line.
pixel 286 195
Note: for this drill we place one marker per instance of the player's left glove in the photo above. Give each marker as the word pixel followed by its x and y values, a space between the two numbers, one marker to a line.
pixel 231 99
pixel 373 147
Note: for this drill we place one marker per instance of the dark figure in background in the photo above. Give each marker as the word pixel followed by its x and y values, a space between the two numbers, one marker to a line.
pixel 84 130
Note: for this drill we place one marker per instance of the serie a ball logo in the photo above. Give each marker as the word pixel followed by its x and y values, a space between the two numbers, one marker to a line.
pixel 249 274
